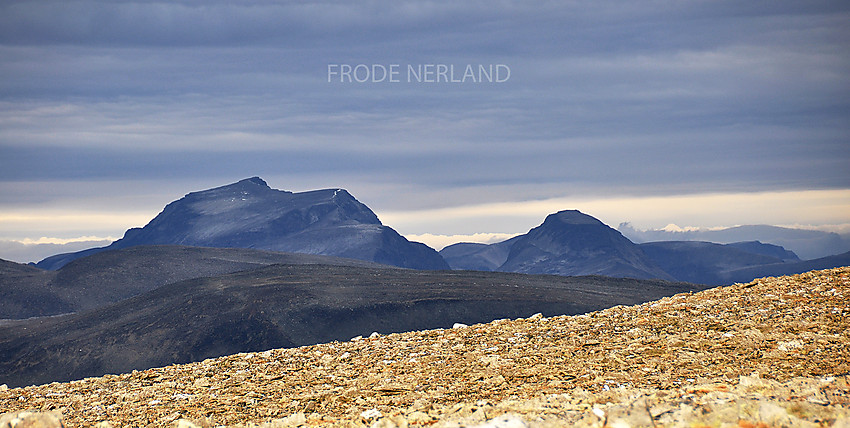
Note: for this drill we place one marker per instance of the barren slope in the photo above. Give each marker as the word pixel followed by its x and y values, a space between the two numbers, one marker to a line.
pixel 285 306
pixel 688 358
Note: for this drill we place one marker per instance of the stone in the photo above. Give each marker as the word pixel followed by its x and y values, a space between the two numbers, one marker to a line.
pixel 775 415
pixel 419 418
pixel 185 423
pixel 615 366
pixel 504 422
pixel 842 422
pixel 384 423
pixel 27 419
pixel 636 414
pixel 371 414
pixel 293 420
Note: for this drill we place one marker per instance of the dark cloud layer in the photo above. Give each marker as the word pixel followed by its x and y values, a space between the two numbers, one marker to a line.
pixel 644 98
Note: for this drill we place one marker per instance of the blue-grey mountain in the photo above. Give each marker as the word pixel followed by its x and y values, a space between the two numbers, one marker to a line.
pixel 709 263
pixel 475 256
pixel 807 244
pixel 250 214
pixel 572 243
pixel 567 243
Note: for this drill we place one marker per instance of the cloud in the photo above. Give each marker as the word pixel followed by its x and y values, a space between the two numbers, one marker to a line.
pixel 25 225
pixel 605 99
pixel 63 241
pixel 439 242
pixel 233 23
pixel 707 210
pixel 21 252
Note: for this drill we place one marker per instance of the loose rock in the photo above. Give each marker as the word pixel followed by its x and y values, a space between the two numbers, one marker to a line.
pixel 771 352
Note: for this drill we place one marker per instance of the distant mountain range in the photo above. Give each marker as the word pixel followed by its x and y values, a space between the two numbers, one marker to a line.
pixel 245 267
pixel 567 243
pixel 573 243
pixel 807 244
pixel 710 263
pixel 250 214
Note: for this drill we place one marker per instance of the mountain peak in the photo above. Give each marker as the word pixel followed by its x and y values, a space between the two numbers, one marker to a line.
pixel 250 214
pixel 242 188
pixel 573 243
pixel 571 217
pixel 255 180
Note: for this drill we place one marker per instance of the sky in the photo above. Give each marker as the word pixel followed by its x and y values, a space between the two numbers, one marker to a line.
pixel 696 113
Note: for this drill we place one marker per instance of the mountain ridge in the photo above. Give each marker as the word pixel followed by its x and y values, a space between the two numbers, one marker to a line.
pixel 547 249
pixel 568 242
pixel 250 214
pixel 805 243
pixel 109 276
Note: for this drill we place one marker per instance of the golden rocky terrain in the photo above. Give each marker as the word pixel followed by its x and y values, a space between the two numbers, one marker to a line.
pixel 773 352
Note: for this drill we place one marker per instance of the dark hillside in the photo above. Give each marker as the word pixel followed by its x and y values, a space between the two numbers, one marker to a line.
pixel 290 305
pixel 23 293
pixel 110 276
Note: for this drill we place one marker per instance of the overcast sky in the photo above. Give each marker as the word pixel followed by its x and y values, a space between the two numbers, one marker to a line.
pixel 699 113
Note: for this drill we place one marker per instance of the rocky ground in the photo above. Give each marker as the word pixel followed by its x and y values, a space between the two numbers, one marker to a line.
pixel 774 352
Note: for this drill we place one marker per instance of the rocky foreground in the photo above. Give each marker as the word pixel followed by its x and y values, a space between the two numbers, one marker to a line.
pixel 774 352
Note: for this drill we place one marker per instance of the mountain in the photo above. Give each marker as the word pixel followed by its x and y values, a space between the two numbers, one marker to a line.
pixel 757 247
pixel 110 276
pixel 475 256
pixel 706 262
pixel 567 243
pixel 746 274
pixel 807 244
pixel 23 253
pixel 572 243
pixel 721 264
pixel 287 306
pixel 250 214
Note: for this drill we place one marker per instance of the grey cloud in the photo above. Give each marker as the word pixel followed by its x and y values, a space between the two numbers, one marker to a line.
pixel 638 97
pixel 225 23
pixel 474 23
pixel 17 252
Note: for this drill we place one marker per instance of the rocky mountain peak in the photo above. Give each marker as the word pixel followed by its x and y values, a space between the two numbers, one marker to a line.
pixel 256 180
pixel 250 214
pixel 254 186
pixel 573 231
pixel 573 243
pixel 571 217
